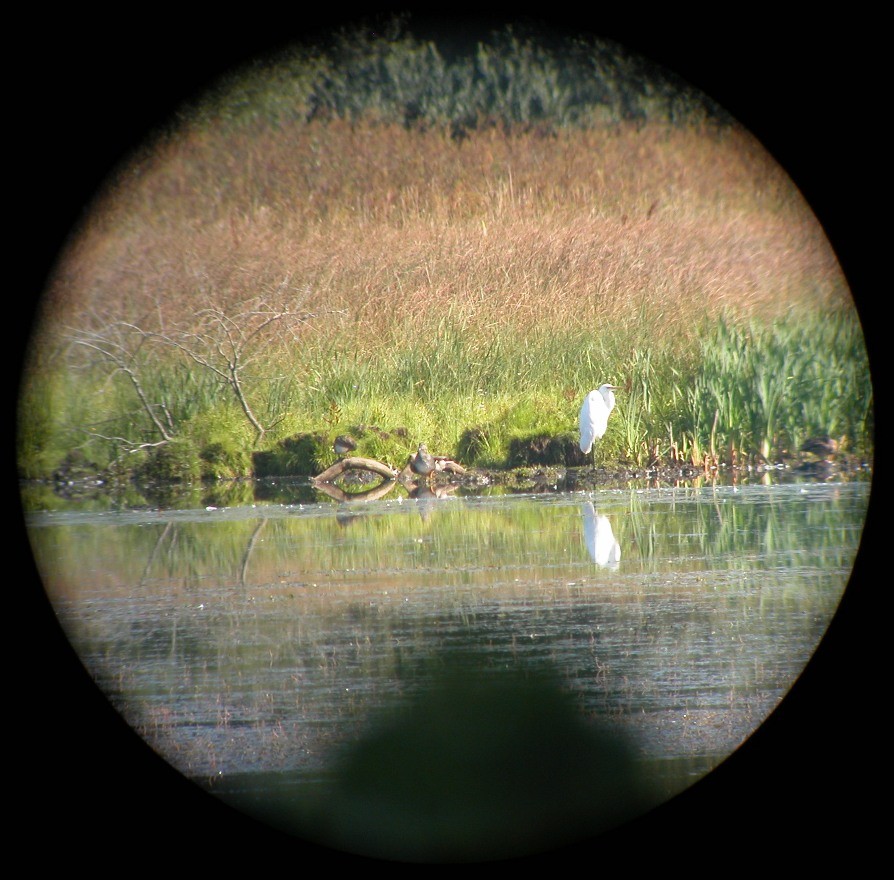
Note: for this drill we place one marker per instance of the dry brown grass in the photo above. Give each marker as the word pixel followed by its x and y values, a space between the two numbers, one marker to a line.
pixel 387 231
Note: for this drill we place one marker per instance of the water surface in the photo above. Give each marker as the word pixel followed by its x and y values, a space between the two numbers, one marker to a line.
pixel 255 647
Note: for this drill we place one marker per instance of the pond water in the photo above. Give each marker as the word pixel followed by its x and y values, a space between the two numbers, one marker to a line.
pixel 414 678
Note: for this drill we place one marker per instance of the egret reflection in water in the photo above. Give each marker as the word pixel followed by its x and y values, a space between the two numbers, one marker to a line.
pixel 604 550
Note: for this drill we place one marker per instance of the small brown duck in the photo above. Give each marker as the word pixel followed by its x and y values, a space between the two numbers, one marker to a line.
pixel 822 447
pixel 423 462
pixel 344 444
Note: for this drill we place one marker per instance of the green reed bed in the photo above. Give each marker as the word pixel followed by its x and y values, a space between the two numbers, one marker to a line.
pixel 765 389
pixel 732 393
pixel 757 390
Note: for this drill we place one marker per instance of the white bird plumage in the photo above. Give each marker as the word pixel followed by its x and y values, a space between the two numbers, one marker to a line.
pixel 604 550
pixel 594 415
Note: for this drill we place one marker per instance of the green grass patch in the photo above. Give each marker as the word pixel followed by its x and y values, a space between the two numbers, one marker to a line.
pixel 742 390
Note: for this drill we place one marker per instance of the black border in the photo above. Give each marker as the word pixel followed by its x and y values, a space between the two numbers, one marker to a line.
pixel 799 792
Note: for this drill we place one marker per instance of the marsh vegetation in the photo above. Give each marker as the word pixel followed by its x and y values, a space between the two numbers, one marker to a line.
pixel 405 244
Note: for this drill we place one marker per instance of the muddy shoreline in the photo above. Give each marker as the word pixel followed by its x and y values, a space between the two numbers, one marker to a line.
pixel 359 485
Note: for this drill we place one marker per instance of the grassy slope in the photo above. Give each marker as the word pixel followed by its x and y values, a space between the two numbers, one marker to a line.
pixel 439 285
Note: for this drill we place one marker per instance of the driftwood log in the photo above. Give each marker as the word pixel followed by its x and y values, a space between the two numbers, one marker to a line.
pixel 406 477
pixel 447 464
pixel 356 464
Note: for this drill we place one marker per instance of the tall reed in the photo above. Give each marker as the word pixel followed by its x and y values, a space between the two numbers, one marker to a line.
pixel 763 389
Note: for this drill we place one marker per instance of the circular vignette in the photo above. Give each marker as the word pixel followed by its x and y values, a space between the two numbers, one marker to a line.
pixel 99 755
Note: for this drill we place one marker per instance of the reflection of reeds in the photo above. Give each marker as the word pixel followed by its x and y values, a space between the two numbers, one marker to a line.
pixel 238 641
pixel 717 529
pixel 312 558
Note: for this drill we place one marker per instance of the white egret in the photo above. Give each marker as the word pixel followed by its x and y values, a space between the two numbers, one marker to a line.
pixel 594 416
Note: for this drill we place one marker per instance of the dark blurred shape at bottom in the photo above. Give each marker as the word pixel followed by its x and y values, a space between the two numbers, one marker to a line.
pixel 480 765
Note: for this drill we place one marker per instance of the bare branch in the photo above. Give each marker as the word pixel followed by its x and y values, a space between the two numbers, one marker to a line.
pixel 124 360
pixel 226 342
pixel 131 445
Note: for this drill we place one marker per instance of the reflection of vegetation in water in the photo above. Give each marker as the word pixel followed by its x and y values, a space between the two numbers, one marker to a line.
pixel 241 641
pixel 461 540
pixel 771 530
